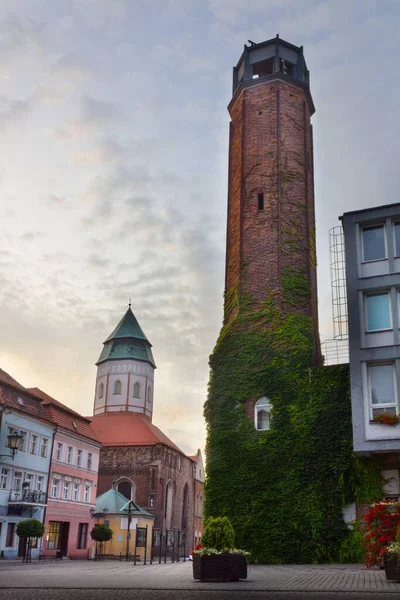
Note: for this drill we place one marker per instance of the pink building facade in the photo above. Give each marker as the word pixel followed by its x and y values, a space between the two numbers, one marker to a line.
pixel 72 486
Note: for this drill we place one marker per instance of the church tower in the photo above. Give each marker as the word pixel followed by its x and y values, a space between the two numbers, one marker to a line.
pixel 271 220
pixel 125 371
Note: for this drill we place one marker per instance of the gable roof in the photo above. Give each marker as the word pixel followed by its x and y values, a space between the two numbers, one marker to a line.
pixel 127 341
pixel 115 503
pixel 128 429
pixel 14 396
pixel 63 416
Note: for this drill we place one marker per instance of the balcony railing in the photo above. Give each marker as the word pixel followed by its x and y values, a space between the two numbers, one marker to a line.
pixel 27 497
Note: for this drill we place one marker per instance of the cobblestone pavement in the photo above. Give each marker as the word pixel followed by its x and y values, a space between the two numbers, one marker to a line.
pixel 89 581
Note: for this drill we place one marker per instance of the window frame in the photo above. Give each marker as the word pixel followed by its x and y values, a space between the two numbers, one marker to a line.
pixel 33 444
pixel 70 454
pixel 101 391
pixel 76 491
pixel 55 488
pixel 90 461
pixel 81 541
pixel 267 406
pixel 383 405
pixel 59 451
pixel 44 446
pixel 86 493
pixel 79 457
pixel 136 385
pixel 66 487
pixel 394 223
pixel 378 293
pixel 376 226
pixel 5 479
pixel 115 393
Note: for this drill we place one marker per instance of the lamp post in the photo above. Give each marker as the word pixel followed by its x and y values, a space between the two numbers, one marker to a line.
pixel 13 443
pixel 128 534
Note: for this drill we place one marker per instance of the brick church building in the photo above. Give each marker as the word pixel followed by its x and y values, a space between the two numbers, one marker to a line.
pixel 137 458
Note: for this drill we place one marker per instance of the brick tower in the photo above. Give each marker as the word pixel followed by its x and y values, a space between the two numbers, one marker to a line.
pixel 271 219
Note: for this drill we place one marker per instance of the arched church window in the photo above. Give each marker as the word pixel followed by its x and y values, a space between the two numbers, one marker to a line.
pixel 149 394
pixel 101 390
pixel 262 414
pixel 136 390
pixel 126 488
pixel 168 505
pixel 117 387
pixel 185 506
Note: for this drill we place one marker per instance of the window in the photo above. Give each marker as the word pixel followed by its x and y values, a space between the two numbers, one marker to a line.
pixel 79 458
pixel 24 435
pixel 373 243
pixel 43 448
pixel 76 491
pixel 377 309
pixel 264 67
pixel 101 390
pixel 55 488
pixel 117 388
pixel 29 479
pixel 59 451
pixel 396 229
pixel 53 535
pixel 40 483
pixel 260 198
pixel 82 536
pixel 66 490
pixel 4 478
pixel 69 454
pixel 262 416
pixel 136 390
pixel 17 480
pixel 89 460
pixel 10 535
pixel 33 444
pixel 149 394
pixel 86 495
pixel 382 390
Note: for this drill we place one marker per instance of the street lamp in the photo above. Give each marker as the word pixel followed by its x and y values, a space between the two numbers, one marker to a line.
pixel 14 440
pixel 128 535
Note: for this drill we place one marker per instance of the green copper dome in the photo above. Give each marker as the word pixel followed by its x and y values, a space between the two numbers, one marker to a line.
pixel 127 341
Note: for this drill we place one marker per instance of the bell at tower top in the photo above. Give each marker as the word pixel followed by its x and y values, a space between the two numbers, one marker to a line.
pixel 272 59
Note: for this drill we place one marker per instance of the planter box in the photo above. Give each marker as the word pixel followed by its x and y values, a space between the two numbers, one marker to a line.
pixel 392 566
pixel 219 567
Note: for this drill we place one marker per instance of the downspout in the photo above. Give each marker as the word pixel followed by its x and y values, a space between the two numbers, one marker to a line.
pixel 48 485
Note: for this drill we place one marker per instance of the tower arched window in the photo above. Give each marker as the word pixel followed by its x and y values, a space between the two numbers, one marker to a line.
pixel 136 390
pixel 117 388
pixel 262 414
pixel 101 390
pixel 149 394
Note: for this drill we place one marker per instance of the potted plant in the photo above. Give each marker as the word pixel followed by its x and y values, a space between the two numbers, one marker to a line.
pixel 391 559
pixel 216 559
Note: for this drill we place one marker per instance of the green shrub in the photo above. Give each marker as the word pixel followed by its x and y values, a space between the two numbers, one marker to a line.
pixel 351 549
pixel 218 534
pixel 101 533
pixel 30 528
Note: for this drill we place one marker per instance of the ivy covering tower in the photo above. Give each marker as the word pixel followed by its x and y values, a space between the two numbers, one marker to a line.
pixel 279 439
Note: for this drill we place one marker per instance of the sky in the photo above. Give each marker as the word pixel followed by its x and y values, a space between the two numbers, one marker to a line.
pixel 113 173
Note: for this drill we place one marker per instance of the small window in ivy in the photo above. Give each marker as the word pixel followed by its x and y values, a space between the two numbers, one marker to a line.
pixel 260 197
pixel 262 414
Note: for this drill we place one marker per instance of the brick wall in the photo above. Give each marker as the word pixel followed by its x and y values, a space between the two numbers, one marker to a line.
pixel 150 468
pixel 271 153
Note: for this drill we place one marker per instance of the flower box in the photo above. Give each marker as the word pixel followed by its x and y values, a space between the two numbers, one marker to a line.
pixel 391 560
pixel 219 567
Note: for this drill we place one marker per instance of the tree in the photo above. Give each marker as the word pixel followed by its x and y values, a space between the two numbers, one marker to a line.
pixel 218 533
pixel 29 529
pixel 101 533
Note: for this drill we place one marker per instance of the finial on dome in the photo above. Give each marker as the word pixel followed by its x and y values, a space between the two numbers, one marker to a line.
pixel 130 303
